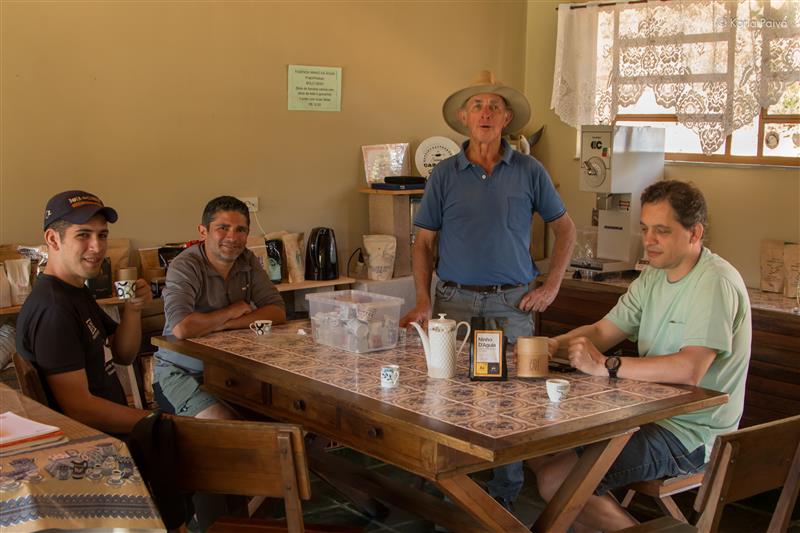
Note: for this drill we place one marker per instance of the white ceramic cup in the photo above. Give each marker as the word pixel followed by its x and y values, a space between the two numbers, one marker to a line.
pixel 390 375
pixel 557 389
pixel 125 288
pixel 261 327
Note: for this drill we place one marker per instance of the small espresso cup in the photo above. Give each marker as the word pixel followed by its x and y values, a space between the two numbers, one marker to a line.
pixel 261 327
pixel 557 389
pixel 390 375
pixel 532 357
pixel 125 288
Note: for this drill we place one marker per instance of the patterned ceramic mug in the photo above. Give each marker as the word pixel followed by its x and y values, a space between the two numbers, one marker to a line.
pixel 390 375
pixel 261 327
pixel 125 288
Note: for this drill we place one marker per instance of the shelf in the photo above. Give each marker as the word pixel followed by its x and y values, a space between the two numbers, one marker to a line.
pixel 282 287
pixel 14 309
pixel 407 192
pixel 309 284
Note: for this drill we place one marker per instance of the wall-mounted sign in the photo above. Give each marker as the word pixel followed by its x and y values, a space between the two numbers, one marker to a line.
pixel 315 88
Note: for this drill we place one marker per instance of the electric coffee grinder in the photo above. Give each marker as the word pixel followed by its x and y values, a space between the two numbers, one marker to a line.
pixel 617 164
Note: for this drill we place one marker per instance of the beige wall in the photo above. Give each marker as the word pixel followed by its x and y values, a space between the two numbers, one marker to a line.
pixel 746 205
pixel 157 107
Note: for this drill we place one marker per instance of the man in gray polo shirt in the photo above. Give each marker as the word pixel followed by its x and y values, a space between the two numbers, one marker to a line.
pixel 215 285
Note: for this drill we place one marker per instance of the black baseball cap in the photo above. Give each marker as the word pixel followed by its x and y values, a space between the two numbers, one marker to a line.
pixel 76 207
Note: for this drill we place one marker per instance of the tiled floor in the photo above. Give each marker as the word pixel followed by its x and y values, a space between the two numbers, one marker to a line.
pixel 328 507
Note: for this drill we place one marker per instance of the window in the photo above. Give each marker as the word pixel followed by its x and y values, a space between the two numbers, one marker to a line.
pixel 773 138
pixel 723 77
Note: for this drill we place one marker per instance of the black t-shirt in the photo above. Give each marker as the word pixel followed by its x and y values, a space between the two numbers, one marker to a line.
pixel 60 329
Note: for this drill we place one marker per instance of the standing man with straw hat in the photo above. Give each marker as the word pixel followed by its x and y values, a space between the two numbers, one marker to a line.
pixel 480 203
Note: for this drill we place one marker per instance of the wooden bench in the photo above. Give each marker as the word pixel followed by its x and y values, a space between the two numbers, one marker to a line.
pixel 662 490
pixel 744 463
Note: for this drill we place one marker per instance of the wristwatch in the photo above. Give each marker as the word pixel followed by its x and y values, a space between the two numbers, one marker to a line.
pixel 612 365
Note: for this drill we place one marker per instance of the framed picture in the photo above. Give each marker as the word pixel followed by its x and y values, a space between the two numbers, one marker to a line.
pixel 381 160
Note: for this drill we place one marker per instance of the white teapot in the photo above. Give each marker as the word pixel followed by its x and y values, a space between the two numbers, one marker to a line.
pixel 440 345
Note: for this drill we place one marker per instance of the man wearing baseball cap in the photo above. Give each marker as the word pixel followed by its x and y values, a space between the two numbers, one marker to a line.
pixel 62 331
pixel 480 203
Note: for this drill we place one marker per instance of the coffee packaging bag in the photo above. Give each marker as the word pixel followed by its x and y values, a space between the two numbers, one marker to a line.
pixel 771 265
pixel 5 288
pixel 791 269
pixel 275 259
pixel 18 272
pixel 380 251
pixel 293 248
pixel 119 253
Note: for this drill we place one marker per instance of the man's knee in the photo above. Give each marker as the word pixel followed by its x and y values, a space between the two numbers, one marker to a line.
pixel 216 411
pixel 552 471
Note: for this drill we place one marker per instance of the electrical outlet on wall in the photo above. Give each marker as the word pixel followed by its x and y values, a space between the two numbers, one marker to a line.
pixel 251 202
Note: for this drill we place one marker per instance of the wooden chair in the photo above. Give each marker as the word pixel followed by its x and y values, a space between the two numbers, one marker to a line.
pixel 744 463
pixel 248 459
pixel 662 491
pixel 28 378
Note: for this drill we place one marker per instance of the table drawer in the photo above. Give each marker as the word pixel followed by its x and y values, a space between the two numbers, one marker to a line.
pixel 394 445
pixel 234 385
pixel 303 408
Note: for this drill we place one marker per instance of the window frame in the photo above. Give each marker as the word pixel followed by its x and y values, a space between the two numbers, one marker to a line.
pixel 759 159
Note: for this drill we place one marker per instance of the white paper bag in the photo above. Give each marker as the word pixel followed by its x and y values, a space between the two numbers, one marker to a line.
pixel 380 250
pixel 18 272
pixel 5 288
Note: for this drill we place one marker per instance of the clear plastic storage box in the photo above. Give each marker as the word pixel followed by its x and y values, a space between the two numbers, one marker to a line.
pixel 355 321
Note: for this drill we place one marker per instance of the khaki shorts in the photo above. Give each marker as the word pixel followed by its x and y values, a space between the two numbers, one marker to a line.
pixel 181 389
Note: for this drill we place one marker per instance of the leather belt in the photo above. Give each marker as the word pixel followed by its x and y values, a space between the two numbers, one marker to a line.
pixel 482 288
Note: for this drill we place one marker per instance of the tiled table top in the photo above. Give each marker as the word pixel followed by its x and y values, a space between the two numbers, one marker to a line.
pixel 90 481
pixel 496 409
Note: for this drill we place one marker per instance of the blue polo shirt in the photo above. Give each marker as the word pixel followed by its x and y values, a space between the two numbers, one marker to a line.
pixel 484 221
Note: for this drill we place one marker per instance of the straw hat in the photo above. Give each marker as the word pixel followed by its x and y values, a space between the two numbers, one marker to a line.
pixel 487 83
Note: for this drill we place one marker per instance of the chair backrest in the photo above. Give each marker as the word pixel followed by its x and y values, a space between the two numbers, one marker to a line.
pixel 748 462
pixel 28 378
pixel 245 458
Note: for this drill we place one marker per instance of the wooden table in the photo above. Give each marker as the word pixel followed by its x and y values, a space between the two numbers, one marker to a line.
pixel 32 500
pixel 440 429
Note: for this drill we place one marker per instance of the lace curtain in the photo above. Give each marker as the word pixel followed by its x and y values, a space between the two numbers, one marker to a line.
pixel 716 63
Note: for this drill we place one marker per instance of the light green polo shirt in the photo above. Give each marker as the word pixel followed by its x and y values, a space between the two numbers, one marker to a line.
pixel 708 307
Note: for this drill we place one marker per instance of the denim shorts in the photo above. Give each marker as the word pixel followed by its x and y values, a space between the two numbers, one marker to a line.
pixel 651 453
pixel 462 304
pixel 180 389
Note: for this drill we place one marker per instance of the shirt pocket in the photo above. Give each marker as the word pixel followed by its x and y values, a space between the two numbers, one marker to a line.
pixel 675 332
pixel 519 214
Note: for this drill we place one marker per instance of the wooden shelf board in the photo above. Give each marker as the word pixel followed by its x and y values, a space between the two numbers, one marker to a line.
pixel 282 287
pixel 407 192
pixel 309 284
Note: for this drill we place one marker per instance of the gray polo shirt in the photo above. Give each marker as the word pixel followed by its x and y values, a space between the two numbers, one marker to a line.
pixel 193 285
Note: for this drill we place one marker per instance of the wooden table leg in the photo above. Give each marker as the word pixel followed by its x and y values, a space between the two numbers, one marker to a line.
pixel 476 502
pixel 394 492
pixel 581 482
pixel 362 501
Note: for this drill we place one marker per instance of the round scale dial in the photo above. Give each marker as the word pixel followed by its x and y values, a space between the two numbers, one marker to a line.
pixel 595 171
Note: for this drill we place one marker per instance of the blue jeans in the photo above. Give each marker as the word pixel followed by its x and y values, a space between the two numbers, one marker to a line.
pixel 461 304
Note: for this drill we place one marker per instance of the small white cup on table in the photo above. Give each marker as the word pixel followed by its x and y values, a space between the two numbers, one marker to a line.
pixel 557 389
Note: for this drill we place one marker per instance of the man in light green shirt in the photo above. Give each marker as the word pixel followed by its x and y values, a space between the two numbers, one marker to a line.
pixel 690 314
